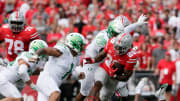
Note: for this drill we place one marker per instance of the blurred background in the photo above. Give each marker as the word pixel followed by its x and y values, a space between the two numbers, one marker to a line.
pixel 159 39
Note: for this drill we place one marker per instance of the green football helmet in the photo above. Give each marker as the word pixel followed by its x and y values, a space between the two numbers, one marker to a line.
pixel 115 28
pixel 36 45
pixel 75 41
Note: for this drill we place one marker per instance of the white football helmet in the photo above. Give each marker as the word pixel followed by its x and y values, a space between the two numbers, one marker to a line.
pixel 36 45
pixel 16 22
pixel 122 43
pixel 122 19
pixel 115 28
pixel 75 41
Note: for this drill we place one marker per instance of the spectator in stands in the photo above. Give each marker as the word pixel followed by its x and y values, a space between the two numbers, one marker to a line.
pixel 158 54
pixel 174 51
pixel 54 36
pixel 41 12
pixel 80 24
pixel 176 89
pixel 144 57
pixel 9 6
pixel 166 70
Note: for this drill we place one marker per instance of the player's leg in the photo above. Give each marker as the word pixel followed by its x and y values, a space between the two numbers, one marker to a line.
pixel 160 93
pixel 108 89
pixel 42 97
pixel 100 78
pixel 139 88
pixel 9 91
pixel 87 83
pixel 80 97
pixel 55 96
pixel 48 87
pixel 121 91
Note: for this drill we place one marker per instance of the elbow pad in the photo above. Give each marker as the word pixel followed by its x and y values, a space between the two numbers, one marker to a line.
pixel 23 72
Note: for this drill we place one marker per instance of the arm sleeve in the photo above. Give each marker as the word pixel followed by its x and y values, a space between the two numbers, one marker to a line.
pixel 131 27
pixel 34 35
pixel 100 42
pixel 61 47
pixel 23 72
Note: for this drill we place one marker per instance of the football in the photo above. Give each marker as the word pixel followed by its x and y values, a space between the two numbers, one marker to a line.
pixel 120 68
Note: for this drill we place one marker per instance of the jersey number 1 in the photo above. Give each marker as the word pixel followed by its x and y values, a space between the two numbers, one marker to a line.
pixel 18 46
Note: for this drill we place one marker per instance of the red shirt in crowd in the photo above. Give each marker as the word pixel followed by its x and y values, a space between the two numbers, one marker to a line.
pixel 166 71
pixel 144 58
pixel 88 28
pixel 51 37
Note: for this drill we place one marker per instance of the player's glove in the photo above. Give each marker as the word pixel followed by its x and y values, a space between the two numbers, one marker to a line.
pixel 141 20
pixel 33 86
pixel 88 60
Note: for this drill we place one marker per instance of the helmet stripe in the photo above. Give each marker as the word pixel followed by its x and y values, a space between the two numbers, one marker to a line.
pixel 122 19
pixel 121 37
pixel 16 15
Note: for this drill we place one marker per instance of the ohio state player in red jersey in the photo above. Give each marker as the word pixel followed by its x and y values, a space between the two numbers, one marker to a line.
pixel 117 66
pixel 17 35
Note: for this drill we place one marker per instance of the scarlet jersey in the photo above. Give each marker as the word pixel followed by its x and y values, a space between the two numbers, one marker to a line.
pixel 166 71
pixel 144 58
pixel 128 60
pixel 16 43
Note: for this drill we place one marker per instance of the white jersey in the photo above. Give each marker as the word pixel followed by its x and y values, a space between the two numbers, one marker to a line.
pixel 97 44
pixel 60 67
pixel 11 72
pixel 101 39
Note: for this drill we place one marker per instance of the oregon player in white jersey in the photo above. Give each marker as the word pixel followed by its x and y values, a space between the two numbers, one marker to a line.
pixel 117 26
pixel 62 58
pixel 20 68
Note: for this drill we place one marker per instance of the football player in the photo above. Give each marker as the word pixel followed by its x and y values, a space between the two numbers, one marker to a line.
pixel 20 68
pixel 17 35
pixel 160 93
pixel 117 26
pixel 118 65
pixel 62 60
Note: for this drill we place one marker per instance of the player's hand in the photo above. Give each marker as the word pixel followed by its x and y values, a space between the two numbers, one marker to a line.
pixel 88 60
pixel 33 86
pixel 141 19
pixel 34 58
pixel 112 72
pixel 81 75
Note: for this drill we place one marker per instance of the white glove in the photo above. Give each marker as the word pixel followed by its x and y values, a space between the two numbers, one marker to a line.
pixel 33 86
pixel 141 19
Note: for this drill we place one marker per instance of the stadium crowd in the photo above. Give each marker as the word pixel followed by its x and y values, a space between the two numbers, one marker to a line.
pixel 158 42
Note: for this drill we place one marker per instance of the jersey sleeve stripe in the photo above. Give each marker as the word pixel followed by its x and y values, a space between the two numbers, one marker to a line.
pixel 35 36
pixel 131 62
pixel 132 59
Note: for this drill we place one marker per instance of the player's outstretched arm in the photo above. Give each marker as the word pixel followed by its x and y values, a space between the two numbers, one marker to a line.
pixel 97 59
pixel 131 27
pixel 100 56
pixel 49 51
